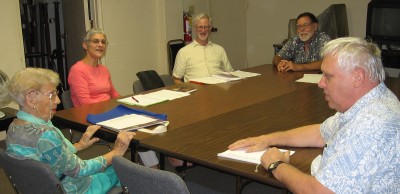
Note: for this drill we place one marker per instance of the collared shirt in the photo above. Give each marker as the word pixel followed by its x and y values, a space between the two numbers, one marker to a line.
pixel 294 49
pixel 196 61
pixel 363 152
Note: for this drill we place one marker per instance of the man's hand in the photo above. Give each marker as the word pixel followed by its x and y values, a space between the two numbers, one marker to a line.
pixel 87 139
pixel 272 155
pixel 285 65
pixel 251 144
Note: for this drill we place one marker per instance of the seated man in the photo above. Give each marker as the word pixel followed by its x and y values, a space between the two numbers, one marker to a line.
pixel 361 141
pixel 302 51
pixel 201 58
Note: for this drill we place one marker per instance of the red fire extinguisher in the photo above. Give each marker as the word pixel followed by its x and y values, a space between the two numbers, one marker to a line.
pixel 187 36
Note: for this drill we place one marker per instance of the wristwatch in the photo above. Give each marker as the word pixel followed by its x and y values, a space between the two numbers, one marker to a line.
pixel 274 165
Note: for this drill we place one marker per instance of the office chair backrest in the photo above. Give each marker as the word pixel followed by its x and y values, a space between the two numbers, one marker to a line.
pixel 140 179
pixel 150 80
pixel 166 78
pixel 66 99
pixel 173 47
pixel 30 176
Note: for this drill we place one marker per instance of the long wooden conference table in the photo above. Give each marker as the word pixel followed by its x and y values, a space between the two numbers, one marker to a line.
pixel 206 122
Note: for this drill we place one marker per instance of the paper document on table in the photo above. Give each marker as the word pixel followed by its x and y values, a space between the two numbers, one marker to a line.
pixel 130 122
pixel 226 76
pixel 207 80
pixel 310 78
pixel 153 97
pixel 244 74
pixel 242 155
pixel 167 94
pixel 141 100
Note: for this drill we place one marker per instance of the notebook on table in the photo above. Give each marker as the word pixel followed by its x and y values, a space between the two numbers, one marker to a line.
pixel 125 118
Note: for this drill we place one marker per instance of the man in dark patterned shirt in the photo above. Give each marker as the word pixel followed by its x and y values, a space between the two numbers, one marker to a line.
pixel 302 52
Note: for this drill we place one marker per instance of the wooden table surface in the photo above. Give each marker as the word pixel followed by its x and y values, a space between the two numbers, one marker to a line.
pixel 206 122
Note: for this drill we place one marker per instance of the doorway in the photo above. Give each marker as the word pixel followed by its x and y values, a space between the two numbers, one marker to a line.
pixel 44 37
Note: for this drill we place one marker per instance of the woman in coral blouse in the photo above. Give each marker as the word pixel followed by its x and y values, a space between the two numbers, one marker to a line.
pixel 90 82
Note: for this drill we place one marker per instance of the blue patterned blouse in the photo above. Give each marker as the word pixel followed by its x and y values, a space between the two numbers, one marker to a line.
pixel 42 141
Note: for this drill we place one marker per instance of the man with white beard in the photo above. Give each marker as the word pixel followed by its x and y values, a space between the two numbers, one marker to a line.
pixel 302 52
pixel 201 58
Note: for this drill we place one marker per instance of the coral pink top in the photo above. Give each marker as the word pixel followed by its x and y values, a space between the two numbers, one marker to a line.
pixel 90 84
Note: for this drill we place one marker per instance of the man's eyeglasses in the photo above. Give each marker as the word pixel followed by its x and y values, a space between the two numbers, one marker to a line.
pixel 97 41
pixel 306 25
pixel 203 27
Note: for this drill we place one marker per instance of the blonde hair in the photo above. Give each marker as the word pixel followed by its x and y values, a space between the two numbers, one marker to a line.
pixel 30 79
pixel 353 53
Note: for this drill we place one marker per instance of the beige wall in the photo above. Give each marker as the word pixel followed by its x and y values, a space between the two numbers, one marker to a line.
pixel 11 50
pixel 12 56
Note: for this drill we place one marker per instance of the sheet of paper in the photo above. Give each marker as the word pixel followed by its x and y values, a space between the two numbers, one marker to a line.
pixel 153 97
pixel 207 80
pixel 226 76
pixel 244 74
pixel 242 155
pixel 167 94
pixel 142 100
pixel 310 78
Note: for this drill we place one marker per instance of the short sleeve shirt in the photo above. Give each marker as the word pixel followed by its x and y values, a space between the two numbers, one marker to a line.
pixel 294 50
pixel 196 61
pixel 362 152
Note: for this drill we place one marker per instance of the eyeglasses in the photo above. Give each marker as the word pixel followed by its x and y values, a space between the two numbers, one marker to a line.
pixel 306 25
pixel 97 41
pixel 52 95
pixel 203 27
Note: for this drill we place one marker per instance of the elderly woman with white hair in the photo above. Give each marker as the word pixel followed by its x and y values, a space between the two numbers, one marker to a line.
pixel 32 135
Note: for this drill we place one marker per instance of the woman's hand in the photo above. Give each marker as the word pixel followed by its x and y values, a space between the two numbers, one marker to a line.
pixel 87 139
pixel 122 142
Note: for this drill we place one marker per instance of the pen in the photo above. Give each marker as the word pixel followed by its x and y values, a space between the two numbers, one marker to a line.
pixel 135 99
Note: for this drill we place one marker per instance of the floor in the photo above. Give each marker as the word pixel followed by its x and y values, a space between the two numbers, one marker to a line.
pixel 208 180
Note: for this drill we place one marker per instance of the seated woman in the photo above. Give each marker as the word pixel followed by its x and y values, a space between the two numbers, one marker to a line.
pixel 90 82
pixel 32 135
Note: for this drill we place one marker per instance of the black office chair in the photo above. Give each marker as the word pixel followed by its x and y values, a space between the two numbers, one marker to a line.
pixel 150 80
pixel 166 78
pixel 30 176
pixel 173 47
pixel 139 179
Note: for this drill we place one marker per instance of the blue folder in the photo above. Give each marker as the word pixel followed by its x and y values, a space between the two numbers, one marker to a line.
pixel 121 110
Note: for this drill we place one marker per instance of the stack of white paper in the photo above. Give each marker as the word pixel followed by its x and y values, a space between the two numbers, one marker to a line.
pixel 310 78
pixel 130 122
pixel 224 77
pixel 242 155
pixel 244 74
